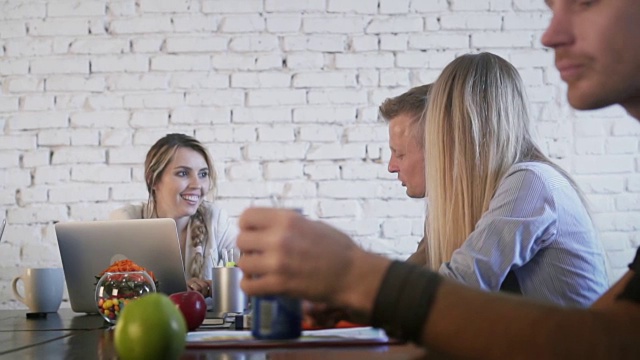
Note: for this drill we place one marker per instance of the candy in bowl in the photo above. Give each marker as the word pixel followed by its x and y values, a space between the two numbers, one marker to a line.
pixel 115 290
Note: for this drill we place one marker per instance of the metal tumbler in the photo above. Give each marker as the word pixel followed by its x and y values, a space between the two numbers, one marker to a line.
pixel 227 295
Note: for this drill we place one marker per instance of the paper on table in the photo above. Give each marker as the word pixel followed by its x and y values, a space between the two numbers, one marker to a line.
pixel 351 333
pixel 361 333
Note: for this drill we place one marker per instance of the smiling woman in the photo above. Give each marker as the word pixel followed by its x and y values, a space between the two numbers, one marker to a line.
pixel 179 174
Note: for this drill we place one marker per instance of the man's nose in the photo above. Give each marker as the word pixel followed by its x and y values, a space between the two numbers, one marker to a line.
pixel 559 31
pixel 393 167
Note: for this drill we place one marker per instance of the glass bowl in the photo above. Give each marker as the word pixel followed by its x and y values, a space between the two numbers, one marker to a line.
pixel 115 289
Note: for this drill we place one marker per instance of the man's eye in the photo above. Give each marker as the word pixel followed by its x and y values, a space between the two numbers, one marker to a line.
pixel 585 3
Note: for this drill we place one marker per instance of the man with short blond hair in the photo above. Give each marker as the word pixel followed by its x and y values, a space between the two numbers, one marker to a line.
pixel 404 115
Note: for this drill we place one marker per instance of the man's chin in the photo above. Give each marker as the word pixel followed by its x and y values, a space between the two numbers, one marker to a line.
pixel 583 99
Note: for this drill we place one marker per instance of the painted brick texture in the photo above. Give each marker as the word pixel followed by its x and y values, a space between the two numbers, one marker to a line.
pixel 283 93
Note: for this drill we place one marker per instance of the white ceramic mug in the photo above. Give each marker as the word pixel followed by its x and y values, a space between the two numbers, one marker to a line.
pixel 43 289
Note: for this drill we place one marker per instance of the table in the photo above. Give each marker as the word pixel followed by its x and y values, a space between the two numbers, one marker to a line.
pixel 68 335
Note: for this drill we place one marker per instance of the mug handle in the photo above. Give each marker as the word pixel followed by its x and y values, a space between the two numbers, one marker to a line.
pixel 14 285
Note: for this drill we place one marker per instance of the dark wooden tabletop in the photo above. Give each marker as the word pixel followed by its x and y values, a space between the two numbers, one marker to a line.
pixel 67 335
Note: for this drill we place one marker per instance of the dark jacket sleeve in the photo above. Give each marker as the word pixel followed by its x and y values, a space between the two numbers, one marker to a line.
pixel 632 291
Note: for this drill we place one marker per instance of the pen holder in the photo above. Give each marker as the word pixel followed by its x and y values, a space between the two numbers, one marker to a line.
pixel 227 295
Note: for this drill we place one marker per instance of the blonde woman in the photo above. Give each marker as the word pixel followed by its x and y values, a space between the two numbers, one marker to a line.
pixel 501 214
pixel 179 175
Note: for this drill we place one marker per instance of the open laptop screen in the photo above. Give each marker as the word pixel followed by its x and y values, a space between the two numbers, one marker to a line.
pixel 89 247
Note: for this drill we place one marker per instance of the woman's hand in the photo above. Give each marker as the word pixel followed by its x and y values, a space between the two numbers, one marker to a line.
pixel 200 285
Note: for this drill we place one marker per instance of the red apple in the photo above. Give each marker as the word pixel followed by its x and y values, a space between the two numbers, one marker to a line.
pixel 192 306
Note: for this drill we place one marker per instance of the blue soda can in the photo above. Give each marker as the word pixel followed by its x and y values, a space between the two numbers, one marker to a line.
pixel 276 317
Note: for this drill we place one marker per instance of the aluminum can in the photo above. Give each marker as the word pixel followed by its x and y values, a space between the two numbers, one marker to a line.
pixel 276 317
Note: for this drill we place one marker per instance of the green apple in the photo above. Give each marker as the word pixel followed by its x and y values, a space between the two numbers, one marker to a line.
pixel 151 327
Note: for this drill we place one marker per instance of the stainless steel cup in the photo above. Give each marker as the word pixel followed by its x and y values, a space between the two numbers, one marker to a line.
pixel 227 295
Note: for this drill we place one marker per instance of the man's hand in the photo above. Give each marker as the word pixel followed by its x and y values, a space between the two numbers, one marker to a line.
pixel 285 253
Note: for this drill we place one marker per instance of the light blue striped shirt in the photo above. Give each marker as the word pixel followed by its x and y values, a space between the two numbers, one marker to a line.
pixel 537 227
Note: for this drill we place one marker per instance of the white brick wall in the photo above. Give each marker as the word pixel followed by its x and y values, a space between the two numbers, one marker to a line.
pixel 283 93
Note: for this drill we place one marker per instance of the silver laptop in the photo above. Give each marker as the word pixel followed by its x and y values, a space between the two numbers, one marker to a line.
pixel 89 247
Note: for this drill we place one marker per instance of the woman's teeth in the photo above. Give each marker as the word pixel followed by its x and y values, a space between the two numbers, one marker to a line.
pixel 191 197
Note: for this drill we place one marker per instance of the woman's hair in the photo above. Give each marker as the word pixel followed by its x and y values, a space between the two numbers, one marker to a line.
pixel 477 127
pixel 158 157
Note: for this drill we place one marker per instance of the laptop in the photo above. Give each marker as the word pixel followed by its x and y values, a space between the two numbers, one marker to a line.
pixel 89 247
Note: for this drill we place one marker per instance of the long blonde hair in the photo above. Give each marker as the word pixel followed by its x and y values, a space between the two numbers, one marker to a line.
pixel 477 127
pixel 158 157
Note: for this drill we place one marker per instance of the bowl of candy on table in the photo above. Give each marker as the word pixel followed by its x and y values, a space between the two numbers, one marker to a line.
pixel 120 283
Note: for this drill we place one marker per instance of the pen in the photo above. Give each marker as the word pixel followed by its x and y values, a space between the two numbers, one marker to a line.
pixel 211 258
pixel 275 200
pixel 4 223
pixel 230 260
